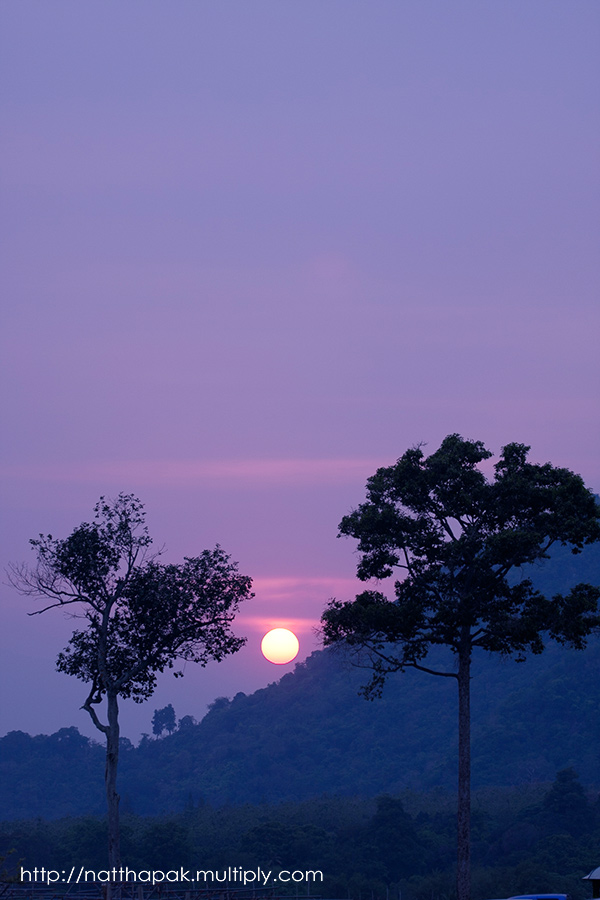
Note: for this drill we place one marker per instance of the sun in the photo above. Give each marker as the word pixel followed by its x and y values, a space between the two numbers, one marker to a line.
pixel 280 646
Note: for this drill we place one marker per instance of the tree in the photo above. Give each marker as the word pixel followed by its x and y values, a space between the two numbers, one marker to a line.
pixel 456 537
pixel 186 723
pixel 142 616
pixel 164 720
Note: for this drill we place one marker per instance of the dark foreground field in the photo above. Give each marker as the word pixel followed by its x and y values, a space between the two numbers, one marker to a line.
pixel 525 839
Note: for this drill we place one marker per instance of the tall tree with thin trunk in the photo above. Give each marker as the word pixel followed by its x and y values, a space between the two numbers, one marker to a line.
pixel 456 537
pixel 141 616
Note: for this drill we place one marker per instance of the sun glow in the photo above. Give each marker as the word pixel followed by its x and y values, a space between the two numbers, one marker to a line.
pixel 280 646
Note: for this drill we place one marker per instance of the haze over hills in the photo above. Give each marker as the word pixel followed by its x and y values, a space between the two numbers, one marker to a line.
pixel 311 733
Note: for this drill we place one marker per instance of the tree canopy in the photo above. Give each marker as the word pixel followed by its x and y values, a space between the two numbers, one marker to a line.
pixel 164 720
pixel 142 616
pixel 456 537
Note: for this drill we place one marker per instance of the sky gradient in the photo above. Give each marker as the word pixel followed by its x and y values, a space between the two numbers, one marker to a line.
pixel 252 251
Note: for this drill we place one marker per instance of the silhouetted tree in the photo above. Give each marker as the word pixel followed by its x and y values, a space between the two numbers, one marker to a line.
pixel 164 720
pixel 219 703
pixel 186 722
pixel 457 536
pixel 141 615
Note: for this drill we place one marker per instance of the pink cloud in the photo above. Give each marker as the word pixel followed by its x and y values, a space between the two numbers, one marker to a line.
pixel 277 601
pixel 191 472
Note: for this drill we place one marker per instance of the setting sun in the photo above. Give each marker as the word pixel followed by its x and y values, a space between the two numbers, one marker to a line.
pixel 280 646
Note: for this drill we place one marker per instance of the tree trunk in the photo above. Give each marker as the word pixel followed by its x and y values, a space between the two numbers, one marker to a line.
pixel 463 874
pixel 112 798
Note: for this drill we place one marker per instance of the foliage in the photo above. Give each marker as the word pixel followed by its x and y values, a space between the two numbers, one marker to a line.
pixel 141 616
pixel 164 720
pixel 365 847
pixel 162 614
pixel 186 722
pixel 455 537
pixel 310 734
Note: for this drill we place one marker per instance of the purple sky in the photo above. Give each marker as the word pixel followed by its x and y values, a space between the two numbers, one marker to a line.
pixel 253 250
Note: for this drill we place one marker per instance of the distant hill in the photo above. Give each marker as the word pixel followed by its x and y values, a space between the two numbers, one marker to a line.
pixel 310 733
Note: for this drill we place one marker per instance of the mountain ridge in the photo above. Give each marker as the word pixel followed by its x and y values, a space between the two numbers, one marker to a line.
pixel 310 734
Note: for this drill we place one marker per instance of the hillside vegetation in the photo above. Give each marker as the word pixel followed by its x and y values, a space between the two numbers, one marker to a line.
pixel 385 848
pixel 310 733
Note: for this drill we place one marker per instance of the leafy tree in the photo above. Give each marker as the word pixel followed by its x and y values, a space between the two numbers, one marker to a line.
pixel 456 536
pixel 186 723
pixel 164 720
pixel 142 616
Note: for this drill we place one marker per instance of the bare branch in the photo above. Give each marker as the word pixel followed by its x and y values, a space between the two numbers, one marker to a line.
pixel 37 612
pixel 432 671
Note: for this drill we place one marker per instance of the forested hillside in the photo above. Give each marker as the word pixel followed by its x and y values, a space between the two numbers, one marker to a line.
pixel 311 733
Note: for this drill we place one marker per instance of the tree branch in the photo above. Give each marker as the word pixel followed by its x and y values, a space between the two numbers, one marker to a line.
pixel 432 671
pixel 38 612
pixel 95 697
